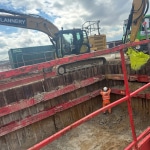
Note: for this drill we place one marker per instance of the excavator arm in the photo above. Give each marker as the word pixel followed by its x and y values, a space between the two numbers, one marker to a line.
pixel 136 17
pixel 35 22
pixel 137 56
pixel 66 42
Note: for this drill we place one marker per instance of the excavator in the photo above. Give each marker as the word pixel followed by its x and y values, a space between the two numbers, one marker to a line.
pixel 66 42
pixel 135 30
pixel 135 20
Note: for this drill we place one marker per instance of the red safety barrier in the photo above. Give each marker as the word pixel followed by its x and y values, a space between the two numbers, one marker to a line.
pixel 122 92
pixel 77 123
pixel 88 117
pixel 25 103
pixel 144 139
pixel 139 78
pixel 12 84
pixel 65 60
pixel 13 126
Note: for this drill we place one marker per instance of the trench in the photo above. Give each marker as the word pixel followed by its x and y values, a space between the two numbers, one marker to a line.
pixel 110 131
pixel 25 127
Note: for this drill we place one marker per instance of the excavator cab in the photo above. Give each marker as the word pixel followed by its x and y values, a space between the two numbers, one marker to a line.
pixel 66 42
pixel 70 42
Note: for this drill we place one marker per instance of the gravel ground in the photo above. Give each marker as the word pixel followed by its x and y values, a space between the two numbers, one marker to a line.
pixel 104 132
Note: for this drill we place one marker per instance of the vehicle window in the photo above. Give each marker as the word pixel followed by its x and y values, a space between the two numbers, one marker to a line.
pixel 67 41
pixel 85 39
pixel 147 22
pixel 67 38
pixel 78 36
pixel 125 26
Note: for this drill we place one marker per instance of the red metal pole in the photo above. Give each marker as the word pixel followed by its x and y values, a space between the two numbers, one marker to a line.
pixel 129 98
pixel 140 137
pixel 75 124
pixel 65 60
pixel 140 89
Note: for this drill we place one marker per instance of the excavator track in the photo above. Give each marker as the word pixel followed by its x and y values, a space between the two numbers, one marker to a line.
pixel 67 68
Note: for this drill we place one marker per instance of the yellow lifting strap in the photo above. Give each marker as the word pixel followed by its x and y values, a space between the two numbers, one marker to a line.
pixel 137 59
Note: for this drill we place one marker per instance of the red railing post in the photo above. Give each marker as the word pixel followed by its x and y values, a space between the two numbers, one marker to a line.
pixel 129 98
pixel 88 117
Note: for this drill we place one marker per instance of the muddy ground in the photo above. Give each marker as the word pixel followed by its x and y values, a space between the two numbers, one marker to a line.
pixel 104 132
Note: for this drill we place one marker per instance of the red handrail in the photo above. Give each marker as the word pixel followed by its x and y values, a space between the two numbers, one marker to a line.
pixel 126 98
pixel 65 60
pixel 129 97
pixel 86 118
pixel 140 137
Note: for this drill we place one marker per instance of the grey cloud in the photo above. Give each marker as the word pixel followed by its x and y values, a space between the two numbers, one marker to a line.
pixel 2 43
pixel 3 52
pixel 109 13
pixel 58 5
pixel 72 14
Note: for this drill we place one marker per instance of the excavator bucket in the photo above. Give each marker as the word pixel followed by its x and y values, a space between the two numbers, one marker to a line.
pixel 137 59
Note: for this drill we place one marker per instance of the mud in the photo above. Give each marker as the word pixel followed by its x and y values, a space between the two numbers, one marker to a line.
pixel 104 132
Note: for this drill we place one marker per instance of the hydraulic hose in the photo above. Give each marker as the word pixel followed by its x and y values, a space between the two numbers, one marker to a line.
pixel 128 24
pixel 147 7
pixel 144 10
pixel 143 3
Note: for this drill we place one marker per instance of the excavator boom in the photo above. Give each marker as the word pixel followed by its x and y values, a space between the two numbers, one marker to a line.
pixel 66 42
pixel 34 22
pixel 136 17
pixel 139 10
pixel 137 55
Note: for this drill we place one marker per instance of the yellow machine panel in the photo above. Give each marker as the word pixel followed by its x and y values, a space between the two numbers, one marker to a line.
pixel 97 42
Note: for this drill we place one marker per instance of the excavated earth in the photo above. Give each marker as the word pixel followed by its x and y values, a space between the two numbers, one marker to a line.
pixel 108 131
pixel 104 132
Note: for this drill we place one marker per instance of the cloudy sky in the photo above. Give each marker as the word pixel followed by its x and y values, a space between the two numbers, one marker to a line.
pixel 63 13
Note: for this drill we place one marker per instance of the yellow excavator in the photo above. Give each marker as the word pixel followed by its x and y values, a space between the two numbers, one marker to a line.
pixel 135 30
pixel 66 42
